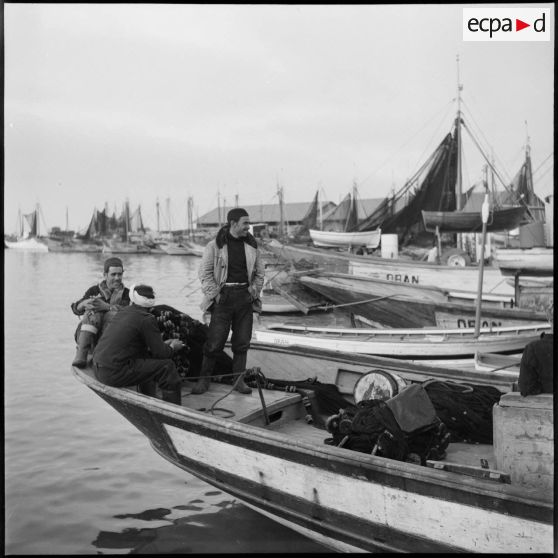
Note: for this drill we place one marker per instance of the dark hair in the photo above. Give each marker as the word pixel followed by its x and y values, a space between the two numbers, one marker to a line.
pixel 113 262
pixel 236 214
pixel 145 291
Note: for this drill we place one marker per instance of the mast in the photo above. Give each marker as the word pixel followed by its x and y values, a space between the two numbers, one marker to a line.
pixel 158 223
pixel 67 227
pixel 190 217
pixel 281 210
pixel 320 210
pixel 458 184
pixel 126 220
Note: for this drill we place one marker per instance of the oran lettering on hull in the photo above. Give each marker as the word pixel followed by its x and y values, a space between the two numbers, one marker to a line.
pixel 402 278
pixel 451 321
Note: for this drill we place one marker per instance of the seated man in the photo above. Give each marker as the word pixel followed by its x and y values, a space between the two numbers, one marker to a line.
pixel 537 362
pixel 97 307
pixel 131 351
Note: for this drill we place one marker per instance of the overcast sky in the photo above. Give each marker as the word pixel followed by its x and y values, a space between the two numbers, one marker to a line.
pixel 105 103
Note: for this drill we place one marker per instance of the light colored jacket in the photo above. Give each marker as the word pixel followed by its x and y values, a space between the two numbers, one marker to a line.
pixel 214 268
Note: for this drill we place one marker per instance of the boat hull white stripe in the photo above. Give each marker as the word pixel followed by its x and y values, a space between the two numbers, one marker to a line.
pixel 443 522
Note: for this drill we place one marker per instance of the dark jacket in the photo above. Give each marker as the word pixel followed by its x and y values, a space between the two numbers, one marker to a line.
pixel 96 292
pixel 131 333
pixel 537 366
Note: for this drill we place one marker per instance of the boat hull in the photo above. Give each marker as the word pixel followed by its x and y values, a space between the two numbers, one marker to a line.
pixel 397 270
pixel 403 305
pixel 27 245
pixel 335 239
pixel 530 261
pixel 386 505
pixel 436 343
pixel 468 221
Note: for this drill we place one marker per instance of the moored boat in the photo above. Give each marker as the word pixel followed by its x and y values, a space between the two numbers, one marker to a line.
pixel 338 239
pixel 396 270
pixel 417 343
pixel 391 304
pixel 536 261
pixel 267 450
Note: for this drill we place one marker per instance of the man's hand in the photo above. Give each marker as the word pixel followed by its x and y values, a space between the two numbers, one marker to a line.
pixel 96 304
pixel 175 344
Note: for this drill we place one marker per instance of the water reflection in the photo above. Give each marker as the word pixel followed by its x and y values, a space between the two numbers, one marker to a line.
pixel 237 528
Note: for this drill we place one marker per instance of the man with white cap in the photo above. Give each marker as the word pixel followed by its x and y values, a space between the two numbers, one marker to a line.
pixel 232 276
pixel 97 307
pixel 131 351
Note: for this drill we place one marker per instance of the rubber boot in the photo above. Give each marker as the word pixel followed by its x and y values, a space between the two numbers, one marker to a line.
pixel 201 386
pixel 85 340
pixel 241 386
pixel 172 396
pixel 148 388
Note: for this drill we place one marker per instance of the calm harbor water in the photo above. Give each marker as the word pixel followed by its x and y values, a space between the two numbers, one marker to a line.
pixel 80 479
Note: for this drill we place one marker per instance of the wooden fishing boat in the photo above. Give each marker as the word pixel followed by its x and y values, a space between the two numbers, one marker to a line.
pixel 396 270
pixel 339 239
pixel 527 261
pixel 179 248
pixel 72 245
pixel 267 450
pixel 491 362
pixel 28 236
pixel 338 227
pixel 124 247
pixel 503 219
pixel 415 343
pixel 391 304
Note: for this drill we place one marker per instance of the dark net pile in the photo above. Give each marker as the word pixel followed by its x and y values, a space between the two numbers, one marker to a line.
pixel 177 325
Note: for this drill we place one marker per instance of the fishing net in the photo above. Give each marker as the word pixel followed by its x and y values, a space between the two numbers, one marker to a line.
pixel 193 333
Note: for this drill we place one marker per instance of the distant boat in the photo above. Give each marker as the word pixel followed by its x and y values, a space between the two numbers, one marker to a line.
pixel 27 238
pixel 72 245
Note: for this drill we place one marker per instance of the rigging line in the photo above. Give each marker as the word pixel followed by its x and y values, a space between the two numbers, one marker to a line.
pixel 409 140
pixel 544 173
pixel 435 133
pixel 481 133
pixel 496 173
pixel 544 161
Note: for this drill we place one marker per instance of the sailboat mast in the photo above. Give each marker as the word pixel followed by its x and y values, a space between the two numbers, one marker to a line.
pixel 458 185
pixel 158 223
pixel 320 209
pixel 281 215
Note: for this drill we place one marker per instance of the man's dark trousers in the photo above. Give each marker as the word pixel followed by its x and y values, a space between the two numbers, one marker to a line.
pixel 234 310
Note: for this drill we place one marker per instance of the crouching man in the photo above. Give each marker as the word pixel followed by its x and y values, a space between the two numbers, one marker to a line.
pixel 97 307
pixel 131 352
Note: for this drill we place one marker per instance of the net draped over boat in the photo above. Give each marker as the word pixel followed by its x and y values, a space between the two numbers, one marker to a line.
pixel 401 213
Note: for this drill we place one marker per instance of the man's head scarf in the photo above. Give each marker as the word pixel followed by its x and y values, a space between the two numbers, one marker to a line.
pixel 142 295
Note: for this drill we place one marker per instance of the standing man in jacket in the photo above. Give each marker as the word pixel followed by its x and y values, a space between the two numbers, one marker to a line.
pixel 232 276
pixel 131 352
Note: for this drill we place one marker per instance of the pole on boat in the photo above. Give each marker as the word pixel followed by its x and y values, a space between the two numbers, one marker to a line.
pixel 484 214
